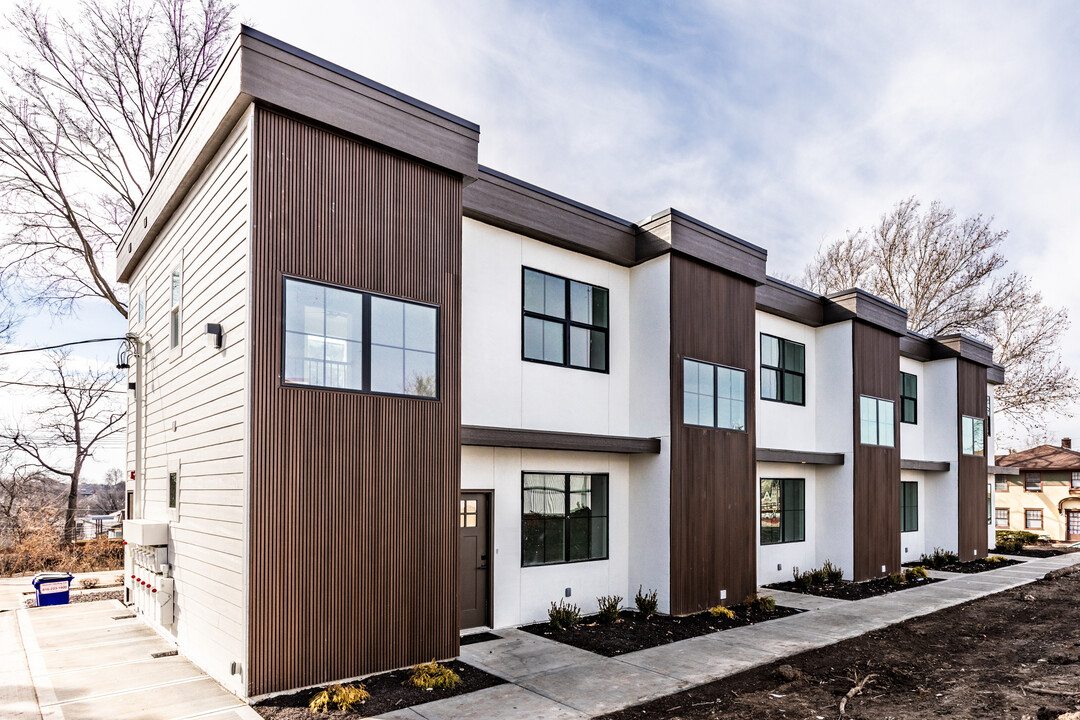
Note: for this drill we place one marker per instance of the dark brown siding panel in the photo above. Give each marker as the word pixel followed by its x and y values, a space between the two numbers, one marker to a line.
pixel 353 498
pixel 972 477
pixel 713 545
pixel 876 543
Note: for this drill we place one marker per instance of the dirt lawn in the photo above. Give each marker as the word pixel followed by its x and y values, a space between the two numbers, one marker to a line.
pixel 1011 655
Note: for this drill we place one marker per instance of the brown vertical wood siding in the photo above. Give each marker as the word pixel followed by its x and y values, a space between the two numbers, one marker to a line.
pixel 876 542
pixel 972 478
pixel 353 497
pixel 713 481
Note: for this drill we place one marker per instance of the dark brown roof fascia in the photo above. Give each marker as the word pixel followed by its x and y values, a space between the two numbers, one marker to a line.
pixel 511 204
pixel 672 230
pixel 782 299
pixel 856 303
pixel 924 465
pixel 799 456
pixel 547 440
pixel 968 348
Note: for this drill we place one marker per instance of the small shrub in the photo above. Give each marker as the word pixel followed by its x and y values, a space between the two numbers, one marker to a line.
pixel 1015 540
pixel 432 675
pixel 609 607
pixel 802 579
pixel 760 603
pixel 915 574
pixel 818 576
pixel 897 579
pixel 646 602
pixel 89 582
pixel 564 615
pixel 939 558
pixel 341 697
pixel 722 612
pixel 995 559
pixel 833 573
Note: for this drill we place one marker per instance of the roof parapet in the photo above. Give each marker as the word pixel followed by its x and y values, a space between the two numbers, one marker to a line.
pixel 672 230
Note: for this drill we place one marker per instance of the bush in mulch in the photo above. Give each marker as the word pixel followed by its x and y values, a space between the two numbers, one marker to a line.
pixel 635 631
pixel 388 693
pixel 847 590
pixel 1035 552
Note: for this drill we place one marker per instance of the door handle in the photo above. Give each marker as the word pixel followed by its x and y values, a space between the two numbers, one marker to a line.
pixel 482 567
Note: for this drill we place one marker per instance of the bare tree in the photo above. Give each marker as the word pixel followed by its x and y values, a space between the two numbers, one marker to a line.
pixel 950 276
pixel 91 105
pixel 27 495
pixel 80 410
pixel 110 495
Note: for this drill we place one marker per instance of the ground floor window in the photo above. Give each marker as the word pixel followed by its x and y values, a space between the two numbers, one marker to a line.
pixel 564 518
pixel 1001 483
pixel 783 510
pixel 909 506
pixel 1033 519
pixel 1001 517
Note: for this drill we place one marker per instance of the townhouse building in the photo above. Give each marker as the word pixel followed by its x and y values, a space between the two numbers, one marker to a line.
pixel 382 394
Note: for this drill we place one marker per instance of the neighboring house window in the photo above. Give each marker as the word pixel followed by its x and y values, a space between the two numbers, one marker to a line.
pixel 564 322
pixel 1033 520
pixel 876 421
pixel 344 339
pixel 972 435
pixel 1033 482
pixel 1001 517
pixel 173 488
pixel 1075 481
pixel 176 297
pixel 909 398
pixel 783 510
pixel 909 506
pixel 714 396
pixel 1001 483
pixel 783 367
pixel 563 518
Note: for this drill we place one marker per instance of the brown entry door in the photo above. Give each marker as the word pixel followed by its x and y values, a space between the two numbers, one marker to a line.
pixel 1072 524
pixel 475 560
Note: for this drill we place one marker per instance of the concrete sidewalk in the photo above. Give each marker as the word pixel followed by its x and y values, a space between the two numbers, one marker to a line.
pixel 547 679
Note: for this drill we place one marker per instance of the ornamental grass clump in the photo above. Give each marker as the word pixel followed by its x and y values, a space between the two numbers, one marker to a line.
pixel 995 559
pixel 646 602
pixel 915 574
pixel 432 676
pixel 609 607
pixel 897 579
pixel 760 603
pixel 939 558
pixel 720 611
pixel 564 615
pixel 833 573
pixel 339 697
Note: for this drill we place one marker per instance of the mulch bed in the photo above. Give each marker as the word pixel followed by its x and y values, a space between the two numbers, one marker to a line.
pixel 846 590
pixel 632 632
pixel 1034 552
pixel 387 694
pixel 968 568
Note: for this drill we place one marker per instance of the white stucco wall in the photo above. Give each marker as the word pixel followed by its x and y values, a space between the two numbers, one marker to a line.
pixel 775 562
pixel 782 425
pixel 938 496
pixel 912 445
pixel 913 544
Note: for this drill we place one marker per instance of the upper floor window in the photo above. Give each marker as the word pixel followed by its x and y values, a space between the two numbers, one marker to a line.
pixel 175 298
pixel 877 421
pixel 564 322
pixel 783 368
pixel 909 398
pixel 1075 481
pixel 714 396
pixel 783 510
pixel 563 518
pixel 972 435
pixel 1001 483
pixel 1033 482
pixel 349 340
pixel 909 506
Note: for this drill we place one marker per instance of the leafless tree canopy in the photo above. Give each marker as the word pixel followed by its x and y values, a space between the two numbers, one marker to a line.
pixel 90 106
pixel 79 410
pixel 950 276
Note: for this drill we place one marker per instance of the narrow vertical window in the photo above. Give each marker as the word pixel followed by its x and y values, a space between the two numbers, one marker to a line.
pixel 909 398
pixel 175 298
pixel 972 435
pixel 1075 481
pixel 909 506
pixel 142 306
pixel 783 370
pixel 173 481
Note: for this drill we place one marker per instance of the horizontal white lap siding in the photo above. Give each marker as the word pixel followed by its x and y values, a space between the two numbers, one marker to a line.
pixel 196 403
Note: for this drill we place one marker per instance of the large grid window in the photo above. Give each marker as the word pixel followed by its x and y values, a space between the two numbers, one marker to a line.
pixel 1033 520
pixel 564 518
pixel 909 506
pixel 1001 517
pixel 972 435
pixel 783 368
pixel 714 396
pixel 783 510
pixel 1033 482
pixel 348 340
pixel 877 421
pixel 564 322
pixel 909 398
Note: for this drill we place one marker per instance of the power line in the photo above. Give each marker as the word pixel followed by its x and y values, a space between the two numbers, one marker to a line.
pixel 4 383
pixel 61 345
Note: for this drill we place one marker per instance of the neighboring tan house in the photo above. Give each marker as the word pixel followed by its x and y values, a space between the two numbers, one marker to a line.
pixel 382 393
pixel 1045 497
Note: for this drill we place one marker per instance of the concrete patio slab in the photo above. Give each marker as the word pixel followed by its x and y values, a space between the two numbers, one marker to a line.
pixel 699 659
pixel 17 696
pixel 519 654
pixel 97 681
pixel 510 701
pixel 602 685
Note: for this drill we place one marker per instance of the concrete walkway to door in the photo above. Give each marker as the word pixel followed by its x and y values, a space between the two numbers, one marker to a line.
pixel 549 680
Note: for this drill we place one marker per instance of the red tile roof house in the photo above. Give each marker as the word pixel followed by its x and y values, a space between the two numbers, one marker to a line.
pixel 382 394
pixel 1044 497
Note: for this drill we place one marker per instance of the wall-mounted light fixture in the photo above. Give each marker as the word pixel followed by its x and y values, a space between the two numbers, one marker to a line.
pixel 213 336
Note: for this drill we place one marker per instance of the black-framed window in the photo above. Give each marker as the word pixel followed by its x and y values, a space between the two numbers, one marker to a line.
pixel 564 518
pixel 342 339
pixel 877 419
pixel 783 510
pixel 1033 482
pixel 1033 520
pixel 564 322
pixel 972 435
pixel 1001 517
pixel 173 489
pixel 909 506
pixel 783 370
pixel 909 398
pixel 713 395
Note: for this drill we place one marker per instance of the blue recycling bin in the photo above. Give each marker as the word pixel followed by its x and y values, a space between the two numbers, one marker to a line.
pixel 52 588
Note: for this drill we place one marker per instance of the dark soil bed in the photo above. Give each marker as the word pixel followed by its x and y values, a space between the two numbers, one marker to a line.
pixel 968 568
pixel 1034 552
pixel 387 694
pixel 1014 655
pixel 845 590
pixel 631 632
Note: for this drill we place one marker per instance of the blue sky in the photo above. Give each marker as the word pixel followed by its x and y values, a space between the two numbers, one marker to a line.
pixel 783 123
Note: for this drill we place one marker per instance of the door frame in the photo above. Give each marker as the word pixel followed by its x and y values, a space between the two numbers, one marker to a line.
pixel 1069 513
pixel 490 539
